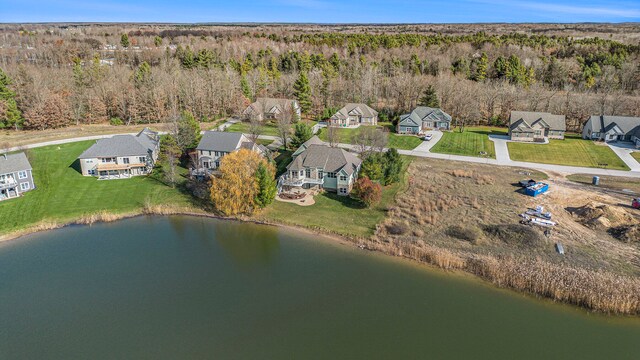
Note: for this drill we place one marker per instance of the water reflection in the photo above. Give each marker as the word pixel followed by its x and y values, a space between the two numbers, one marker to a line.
pixel 246 245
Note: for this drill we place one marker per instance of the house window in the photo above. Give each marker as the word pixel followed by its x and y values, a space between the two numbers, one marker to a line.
pixel 125 160
pixel 217 164
pixel 22 175
pixel 331 175
pixel 343 191
pixel 205 164
pixel 538 132
pixel 142 159
pixel 106 160
pixel 216 153
pixel 320 174
pixel 24 186
pixel 308 173
pixel 343 178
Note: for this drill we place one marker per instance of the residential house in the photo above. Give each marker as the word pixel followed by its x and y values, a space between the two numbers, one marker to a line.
pixel 323 167
pixel 612 128
pixel 528 126
pixel 354 115
pixel 16 175
pixel 214 145
pixel 121 156
pixel 423 118
pixel 270 109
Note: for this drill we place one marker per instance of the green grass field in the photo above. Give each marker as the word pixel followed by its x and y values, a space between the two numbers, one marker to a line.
pixel 473 141
pixel 243 127
pixel 636 155
pixel 337 214
pixel 572 151
pixel 63 194
pixel 404 142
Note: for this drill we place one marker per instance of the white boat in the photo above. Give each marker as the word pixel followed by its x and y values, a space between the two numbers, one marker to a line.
pixel 542 222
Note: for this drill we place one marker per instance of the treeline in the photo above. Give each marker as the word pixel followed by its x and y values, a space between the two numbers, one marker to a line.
pixel 55 79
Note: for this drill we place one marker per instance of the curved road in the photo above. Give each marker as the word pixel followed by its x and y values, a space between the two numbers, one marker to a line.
pixel 423 151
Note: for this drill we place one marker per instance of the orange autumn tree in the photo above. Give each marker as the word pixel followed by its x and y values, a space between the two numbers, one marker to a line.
pixel 235 189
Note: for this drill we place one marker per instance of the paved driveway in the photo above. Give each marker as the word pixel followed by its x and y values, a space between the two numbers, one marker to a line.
pixel 502 151
pixel 623 150
pixel 426 146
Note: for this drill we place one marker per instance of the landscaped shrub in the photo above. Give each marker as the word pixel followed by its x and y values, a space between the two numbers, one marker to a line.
pixel 116 121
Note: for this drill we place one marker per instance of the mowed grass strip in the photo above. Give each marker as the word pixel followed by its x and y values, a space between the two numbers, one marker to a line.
pixel 403 142
pixel 572 151
pixel 473 141
pixel 243 127
pixel 636 155
pixel 336 214
pixel 63 194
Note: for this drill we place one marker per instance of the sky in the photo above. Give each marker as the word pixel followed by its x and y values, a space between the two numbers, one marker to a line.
pixel 320 11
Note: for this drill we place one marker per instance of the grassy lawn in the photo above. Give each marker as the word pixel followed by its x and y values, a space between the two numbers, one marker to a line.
pixel 572 151
pixel 609 182
pixel 63 194
pixel 243 127
pixel 337 214
pixel 404 142
pixel 636 155
pixel 282 159
pixel 264 142
pixel 471 142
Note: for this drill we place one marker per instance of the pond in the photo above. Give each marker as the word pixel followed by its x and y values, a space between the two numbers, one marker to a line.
pixel 193 288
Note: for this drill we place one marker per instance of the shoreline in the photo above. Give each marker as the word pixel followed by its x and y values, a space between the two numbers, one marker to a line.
pixel 484 268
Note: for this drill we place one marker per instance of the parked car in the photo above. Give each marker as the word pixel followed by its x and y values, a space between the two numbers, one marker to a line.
pixel 636 203
pixel 428 137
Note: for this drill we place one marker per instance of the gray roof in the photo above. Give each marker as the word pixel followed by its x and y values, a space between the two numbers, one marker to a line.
pixel 273 105
pixel 314 140
pixel 10 163
pixel 525 120
pixel 628 125
pixel 362 109
pixel 329 159
pixel 222 141
pixel 424 113
pixel 123 145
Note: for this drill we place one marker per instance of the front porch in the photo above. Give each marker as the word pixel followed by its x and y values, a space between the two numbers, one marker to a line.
pixel 7 193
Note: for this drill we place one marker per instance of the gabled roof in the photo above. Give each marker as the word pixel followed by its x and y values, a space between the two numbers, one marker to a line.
pixel 329 159
pixel 10 163
pixel 270 105
pixel 627 124
pixel 222 141
pixel 527 120
pixel 424 113
pixel 314 140
pixel 355 108
pixel 123 145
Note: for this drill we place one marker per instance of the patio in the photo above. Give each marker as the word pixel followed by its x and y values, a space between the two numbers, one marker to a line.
pixel 298 196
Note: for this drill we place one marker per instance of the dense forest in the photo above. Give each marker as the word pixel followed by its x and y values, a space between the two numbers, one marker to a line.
pixel 64 74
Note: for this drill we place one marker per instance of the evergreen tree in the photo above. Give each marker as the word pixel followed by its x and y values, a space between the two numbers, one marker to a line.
pixel 500 67
pixel 302 133
pixel 10 116
pixel 188 131
pixel 393 167
pixel 124 41
pixel 481 65
pixel 430 98
pixel 302 92
pixel 142 74
pixel 267 186
pixel 246 90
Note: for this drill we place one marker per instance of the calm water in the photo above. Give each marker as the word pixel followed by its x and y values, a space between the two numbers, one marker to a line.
pixel 191 288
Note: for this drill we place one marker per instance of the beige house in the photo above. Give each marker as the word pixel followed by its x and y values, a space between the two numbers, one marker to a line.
pixel 529 126
pixel 264 109
pixel 353 115
pixel 320 166
pixel 214 145
pixel 121 156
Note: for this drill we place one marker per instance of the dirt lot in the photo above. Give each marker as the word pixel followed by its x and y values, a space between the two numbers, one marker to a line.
pixel 475 208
